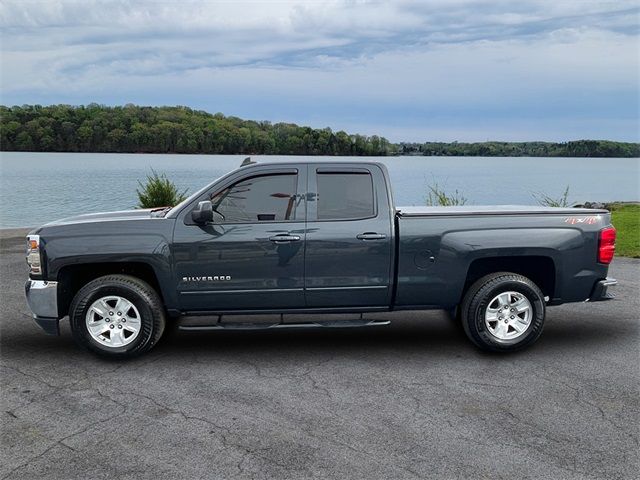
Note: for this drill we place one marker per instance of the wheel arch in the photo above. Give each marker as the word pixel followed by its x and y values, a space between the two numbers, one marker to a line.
pixel 72 278
pixel 539 269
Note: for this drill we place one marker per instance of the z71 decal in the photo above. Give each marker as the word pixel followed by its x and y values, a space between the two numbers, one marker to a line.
pixel 588 220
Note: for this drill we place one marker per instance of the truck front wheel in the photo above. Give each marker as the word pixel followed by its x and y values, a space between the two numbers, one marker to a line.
pixel 117 316
pixel 503 312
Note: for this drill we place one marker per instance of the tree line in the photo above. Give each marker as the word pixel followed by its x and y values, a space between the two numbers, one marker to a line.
pixel 577 148
pixel 136 129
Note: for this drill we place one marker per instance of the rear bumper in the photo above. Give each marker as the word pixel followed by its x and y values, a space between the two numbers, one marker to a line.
pixel 601 290
pixel 42 298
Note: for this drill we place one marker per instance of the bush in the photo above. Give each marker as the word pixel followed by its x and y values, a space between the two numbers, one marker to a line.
pixel 158 191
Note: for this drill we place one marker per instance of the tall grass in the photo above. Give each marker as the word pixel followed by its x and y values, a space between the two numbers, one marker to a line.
pixel 437 196
pixel 549 201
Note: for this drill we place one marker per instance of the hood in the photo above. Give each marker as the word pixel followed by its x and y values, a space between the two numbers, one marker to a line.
pixel 138 214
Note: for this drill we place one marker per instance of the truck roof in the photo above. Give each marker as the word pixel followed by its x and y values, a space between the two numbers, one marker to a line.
pixel 306 160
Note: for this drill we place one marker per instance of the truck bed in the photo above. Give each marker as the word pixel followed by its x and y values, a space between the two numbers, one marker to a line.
pixel 493 210
pixel 439 246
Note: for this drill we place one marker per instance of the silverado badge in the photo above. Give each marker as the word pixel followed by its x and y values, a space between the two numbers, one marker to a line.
pixel 214 278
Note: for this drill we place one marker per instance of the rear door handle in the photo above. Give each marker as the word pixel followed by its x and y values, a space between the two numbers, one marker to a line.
pixel 284 238
pixel 371 236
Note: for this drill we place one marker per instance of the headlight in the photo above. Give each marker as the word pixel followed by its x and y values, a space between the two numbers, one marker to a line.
pixel 33 254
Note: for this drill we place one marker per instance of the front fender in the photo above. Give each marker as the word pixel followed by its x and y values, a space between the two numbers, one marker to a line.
pixel 144 241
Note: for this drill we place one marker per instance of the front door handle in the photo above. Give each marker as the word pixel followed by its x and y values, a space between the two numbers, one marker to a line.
pixel 284 238
pixel 371 236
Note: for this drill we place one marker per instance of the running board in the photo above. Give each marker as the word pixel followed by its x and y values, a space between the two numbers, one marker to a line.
pixel 270 326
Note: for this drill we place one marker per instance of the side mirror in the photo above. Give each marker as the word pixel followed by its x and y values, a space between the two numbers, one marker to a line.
pixel 203 212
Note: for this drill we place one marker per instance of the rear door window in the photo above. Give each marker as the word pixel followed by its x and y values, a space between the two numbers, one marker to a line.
pixel 345 195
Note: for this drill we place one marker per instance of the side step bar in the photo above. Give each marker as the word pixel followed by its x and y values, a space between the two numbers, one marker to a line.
pixel 270 326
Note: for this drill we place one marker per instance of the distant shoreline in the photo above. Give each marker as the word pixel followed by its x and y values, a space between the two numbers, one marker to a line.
pixel 396 155
pixel 13 232
pixel 130 128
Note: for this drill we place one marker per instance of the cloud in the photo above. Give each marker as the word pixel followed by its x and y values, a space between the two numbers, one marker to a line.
pixel 339 63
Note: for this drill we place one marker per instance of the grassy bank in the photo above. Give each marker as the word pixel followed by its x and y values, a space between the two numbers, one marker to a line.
pixel 626 219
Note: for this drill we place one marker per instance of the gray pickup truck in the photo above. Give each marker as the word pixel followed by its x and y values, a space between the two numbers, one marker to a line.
pixel 288 240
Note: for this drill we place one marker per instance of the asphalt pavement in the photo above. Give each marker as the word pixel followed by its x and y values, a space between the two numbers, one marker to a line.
pixel 411 400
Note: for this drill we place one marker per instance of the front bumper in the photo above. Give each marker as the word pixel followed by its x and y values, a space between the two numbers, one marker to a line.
pixel 42 298
pixel 600 290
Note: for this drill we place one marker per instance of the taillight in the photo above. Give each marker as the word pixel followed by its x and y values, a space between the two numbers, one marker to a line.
pixel 606 245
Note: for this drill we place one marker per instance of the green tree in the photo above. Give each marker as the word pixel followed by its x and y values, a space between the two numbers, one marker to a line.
pixel 24 142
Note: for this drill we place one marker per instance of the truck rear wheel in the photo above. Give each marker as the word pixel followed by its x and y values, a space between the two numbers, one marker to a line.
pixel 117 316
pixel 503 312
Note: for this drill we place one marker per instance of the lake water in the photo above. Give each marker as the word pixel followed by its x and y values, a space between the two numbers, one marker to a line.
pixel 39 187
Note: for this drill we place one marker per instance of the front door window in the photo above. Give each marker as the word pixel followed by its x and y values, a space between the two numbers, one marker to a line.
pixel 267 198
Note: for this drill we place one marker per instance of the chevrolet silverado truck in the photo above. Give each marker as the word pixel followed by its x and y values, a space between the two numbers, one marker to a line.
pixel 290 241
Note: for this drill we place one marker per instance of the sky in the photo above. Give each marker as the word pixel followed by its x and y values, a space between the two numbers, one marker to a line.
pixel 431 70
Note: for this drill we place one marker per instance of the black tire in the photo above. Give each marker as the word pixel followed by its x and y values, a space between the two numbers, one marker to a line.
pixel 476 301
pixel 140 294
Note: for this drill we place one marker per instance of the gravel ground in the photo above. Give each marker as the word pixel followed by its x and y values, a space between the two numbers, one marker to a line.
pixel 414 399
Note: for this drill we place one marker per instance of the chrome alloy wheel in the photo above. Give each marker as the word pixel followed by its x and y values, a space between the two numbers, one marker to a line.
pixel 508 315
pixel 113 321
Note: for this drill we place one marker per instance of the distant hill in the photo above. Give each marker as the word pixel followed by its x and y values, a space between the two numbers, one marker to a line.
pixel 136 129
